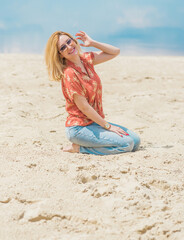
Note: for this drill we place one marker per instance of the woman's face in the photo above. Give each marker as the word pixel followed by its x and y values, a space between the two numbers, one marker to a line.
pixel 67 47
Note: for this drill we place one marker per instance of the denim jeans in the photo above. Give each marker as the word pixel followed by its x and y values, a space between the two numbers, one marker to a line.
pixel 94 139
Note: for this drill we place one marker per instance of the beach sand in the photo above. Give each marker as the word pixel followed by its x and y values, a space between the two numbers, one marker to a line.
pixel 46 194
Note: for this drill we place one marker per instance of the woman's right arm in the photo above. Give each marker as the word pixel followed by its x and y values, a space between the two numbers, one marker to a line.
pixel 89 111
pixel 107 51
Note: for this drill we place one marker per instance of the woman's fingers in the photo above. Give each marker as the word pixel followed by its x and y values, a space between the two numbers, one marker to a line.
pixel 123 132
pixel 84 38
pixel 82 35
pixel 79 38
pixel 81 44
pixel 79 34
pixel 119 133
pixel 118 130
pixel 82 32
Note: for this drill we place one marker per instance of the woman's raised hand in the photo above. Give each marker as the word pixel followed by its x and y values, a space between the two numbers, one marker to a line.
pixel 87 41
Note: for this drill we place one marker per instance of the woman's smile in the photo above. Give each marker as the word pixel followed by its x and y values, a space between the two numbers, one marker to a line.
pixel 72 51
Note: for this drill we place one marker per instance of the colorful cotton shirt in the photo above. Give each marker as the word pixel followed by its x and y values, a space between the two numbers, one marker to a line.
pixel 87 85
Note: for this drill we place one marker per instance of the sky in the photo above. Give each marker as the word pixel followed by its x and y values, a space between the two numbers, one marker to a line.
pixel 137 27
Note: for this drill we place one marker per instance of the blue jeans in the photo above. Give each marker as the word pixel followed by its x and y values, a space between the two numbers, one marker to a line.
pixel 94 139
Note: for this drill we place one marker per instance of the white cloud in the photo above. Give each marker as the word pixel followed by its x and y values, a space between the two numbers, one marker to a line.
pixel 139 17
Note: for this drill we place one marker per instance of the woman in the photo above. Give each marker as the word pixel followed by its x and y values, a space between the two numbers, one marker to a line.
pixel 86 126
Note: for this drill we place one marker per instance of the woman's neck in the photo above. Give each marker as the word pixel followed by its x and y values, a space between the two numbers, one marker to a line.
pixel 76 60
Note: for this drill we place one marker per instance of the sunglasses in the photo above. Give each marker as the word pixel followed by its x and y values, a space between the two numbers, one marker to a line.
pixel 64 46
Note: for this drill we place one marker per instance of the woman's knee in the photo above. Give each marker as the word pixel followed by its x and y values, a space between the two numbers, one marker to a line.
pixel 126 145
pixel 130 145
pixel 136 139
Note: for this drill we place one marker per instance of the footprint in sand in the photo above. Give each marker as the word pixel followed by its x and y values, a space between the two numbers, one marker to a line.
pixel 102 191
pixel 37 143
pixel 81 179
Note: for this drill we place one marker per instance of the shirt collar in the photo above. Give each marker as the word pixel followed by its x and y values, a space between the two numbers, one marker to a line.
pixel 73 65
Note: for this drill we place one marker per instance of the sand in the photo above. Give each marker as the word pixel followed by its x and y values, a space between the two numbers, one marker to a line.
pixel 46 194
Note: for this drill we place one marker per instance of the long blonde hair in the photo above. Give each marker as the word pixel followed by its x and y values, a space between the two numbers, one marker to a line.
pixel 54 61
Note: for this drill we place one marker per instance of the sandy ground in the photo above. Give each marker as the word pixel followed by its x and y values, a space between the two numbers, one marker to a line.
pixel 46 194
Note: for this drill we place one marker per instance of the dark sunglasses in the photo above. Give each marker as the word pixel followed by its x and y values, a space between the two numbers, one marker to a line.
pixel 64 46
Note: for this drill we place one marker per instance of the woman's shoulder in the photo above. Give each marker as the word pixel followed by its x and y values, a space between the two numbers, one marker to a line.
pixel 88 56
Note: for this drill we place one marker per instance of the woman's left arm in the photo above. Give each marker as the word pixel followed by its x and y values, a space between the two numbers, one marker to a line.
pixel 107 51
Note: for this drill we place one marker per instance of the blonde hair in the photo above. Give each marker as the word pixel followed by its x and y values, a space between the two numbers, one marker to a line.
pixel 54 61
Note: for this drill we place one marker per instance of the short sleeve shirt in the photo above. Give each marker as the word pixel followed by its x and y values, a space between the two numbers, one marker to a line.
pixel 87 85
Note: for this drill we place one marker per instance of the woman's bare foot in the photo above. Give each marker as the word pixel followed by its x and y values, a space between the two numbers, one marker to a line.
pixel 73 148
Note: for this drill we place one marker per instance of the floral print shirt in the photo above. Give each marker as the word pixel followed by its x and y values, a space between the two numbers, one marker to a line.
pixel 87 85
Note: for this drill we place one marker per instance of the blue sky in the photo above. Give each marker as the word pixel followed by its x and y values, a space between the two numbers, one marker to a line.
pixel 138 27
